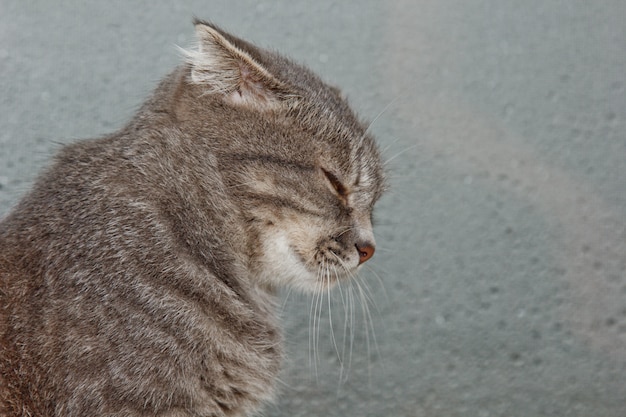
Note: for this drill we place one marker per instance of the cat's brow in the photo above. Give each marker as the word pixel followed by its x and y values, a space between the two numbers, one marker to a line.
pixel 274 201
pixel 264 159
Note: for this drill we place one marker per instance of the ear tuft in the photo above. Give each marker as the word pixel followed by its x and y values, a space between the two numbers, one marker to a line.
pixel 223 68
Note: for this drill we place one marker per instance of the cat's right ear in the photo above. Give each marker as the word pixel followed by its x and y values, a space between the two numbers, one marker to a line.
pixel 223 68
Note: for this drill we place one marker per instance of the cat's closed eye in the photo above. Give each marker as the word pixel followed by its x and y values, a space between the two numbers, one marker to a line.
pixel 337 185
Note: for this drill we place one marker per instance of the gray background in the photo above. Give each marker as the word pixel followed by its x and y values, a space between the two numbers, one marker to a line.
pixel 499 285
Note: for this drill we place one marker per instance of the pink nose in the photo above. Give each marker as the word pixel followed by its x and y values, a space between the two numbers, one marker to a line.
pixel 366 251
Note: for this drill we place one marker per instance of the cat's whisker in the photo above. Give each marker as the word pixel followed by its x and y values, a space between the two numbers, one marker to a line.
pixel 388 160
pixel 330 320
pixel 346 230
pixel 352 320
pixel 393 178
pixel 313 360
pixel 320 307
pixel 365 315
pixel 370 334
pixel 342 230
pixel 280 382
pixel 323 284
pixel 380 281
pixel 316 329
pixel 345 329
pixel 383 111
pixel 351 310
pixel 312 326
pixel 312 320
pixel 393 142
pixel 284 302
pixel 368 294
pixel 413 183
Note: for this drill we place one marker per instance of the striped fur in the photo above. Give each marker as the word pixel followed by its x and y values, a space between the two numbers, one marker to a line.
pixel 138 276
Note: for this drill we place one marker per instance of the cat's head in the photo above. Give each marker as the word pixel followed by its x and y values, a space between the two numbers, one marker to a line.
pixel 300 165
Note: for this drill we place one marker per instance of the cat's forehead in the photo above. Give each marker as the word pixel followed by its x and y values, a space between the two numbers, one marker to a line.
pixel 282 108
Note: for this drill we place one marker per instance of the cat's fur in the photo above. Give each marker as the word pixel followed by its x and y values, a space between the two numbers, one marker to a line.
pixel 138 277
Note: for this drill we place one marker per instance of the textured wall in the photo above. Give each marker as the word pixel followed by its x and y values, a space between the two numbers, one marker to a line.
pixel 499 286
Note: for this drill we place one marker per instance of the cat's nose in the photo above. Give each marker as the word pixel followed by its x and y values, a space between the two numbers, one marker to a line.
pixel 366 251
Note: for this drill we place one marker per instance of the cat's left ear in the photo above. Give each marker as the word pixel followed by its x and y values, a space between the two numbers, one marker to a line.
pixel 223 68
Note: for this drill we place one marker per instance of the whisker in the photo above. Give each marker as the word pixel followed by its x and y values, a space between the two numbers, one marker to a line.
pixel 352 319
pixel 318 311
pixel 312 325
pixel 365 313
pixel 369 297
pixel 353 278
pixel 347 229
pixel 369 324
pixel 284 303
pixel 388 160
pixel 383 111
pixel 343 339
pixel 380 281
pixel 344 230
pixel 389 145
pixel 330 321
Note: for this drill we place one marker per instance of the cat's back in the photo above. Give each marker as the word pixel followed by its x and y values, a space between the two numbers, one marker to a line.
pixel 103 300
pixel 22 381
pixel 30 236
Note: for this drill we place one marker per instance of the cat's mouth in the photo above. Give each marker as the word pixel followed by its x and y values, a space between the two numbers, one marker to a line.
pixel 334 260
pixel 333 254
pixel 328 264
pixel 290 261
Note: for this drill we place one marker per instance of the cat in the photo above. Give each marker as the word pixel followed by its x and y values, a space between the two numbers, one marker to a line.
pixel 139 275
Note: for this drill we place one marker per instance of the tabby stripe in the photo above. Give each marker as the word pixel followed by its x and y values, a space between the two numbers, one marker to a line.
pixel 241 158
pixel 274 201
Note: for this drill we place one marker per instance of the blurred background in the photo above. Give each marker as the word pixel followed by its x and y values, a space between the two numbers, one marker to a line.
pixel 499 283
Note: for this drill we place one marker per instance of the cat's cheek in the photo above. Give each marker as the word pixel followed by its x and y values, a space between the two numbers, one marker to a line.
pixel 281 266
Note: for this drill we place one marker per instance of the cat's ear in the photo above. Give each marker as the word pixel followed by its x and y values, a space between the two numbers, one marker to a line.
pixel 223 68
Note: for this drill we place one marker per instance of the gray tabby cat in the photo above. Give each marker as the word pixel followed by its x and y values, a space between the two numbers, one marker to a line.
pixel 139 276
